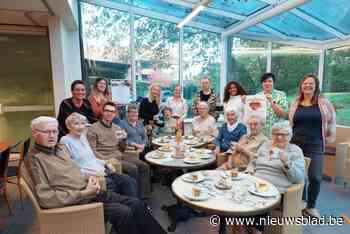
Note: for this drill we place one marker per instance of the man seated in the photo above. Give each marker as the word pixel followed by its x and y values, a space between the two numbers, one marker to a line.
pixel 58 182
pixel 80 151
pixel 104 138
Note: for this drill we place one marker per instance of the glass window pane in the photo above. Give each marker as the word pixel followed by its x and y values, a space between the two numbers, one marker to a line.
pixel 26 89
pixel 106 42
pixel 201 57
pixel 239 7
pixel 214 20
pixel 247 63
pixel 336 82
pixel 334 13
pixel 290 64
pixel 156 55
pixel 293 26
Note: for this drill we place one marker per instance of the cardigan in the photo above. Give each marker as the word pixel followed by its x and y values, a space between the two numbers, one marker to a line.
pixel 224 139
pixel 272 169
pixel 136 133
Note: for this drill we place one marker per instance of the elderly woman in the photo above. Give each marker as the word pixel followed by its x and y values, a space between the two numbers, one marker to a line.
pixel 277 103
pixel 82 155
pixel 208 95
pixel 231 131
pixel 204 125
pixel 245 150
pixel 279 161
pixel 169 123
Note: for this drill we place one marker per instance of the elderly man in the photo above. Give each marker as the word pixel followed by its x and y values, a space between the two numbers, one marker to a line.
pixel 82 155
pixel 208 95
pixel 104 138
pixel 58 182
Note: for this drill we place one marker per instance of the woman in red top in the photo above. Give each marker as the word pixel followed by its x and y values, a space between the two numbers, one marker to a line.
pixel 99 96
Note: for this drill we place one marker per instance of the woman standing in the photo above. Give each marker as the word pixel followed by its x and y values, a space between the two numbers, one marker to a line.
pixel 313 119
pixel 234 96
pixel 99 96
pixel 177 104
pixel 277 104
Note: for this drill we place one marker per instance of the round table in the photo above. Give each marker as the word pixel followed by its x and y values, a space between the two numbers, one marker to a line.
pixel 234 202
pixel 204 158
pixel 186 140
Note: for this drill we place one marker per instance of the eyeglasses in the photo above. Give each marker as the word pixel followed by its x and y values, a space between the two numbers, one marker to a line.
pixel 54 132
pixel 110 111
pixel 280 134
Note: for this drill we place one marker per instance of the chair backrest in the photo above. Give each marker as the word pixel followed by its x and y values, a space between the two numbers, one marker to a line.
pixel 31 196
pixel 23 152
pixel 4 161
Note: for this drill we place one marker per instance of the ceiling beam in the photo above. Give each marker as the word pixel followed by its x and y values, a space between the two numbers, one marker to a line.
pixel 263 15
pixel 312 20
pixel 230 15
pixel 208 9
pixel 152 14
pixel 333 43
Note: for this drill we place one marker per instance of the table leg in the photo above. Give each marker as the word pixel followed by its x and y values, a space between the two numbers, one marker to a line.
pixel 222 227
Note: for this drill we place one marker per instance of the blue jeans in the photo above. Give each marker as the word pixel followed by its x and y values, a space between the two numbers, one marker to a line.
pixel 122 184
pixel 314 178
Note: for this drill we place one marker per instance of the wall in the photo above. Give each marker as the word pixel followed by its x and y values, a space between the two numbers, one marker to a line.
pixel 65 53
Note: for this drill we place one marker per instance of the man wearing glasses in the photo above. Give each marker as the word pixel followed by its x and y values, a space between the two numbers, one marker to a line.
pixel 105 137
pixel 58 182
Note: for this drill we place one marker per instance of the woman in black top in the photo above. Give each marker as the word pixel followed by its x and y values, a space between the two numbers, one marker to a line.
pixel 313 119
pixel 149 106
pixel 77 103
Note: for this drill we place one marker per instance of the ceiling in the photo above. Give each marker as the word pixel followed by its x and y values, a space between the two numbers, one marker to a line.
pixel 24 12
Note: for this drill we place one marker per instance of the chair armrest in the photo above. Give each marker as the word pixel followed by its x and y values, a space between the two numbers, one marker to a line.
pixel 79 219
pixel 341 155
pixel 292 200
pixel 72 209
pixel 221 158
pixel 132 153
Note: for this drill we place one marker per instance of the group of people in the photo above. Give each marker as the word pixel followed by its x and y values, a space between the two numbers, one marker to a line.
pixel 89 164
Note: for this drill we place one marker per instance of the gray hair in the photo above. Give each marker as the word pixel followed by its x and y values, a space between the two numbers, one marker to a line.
pixel 42 120
pixel 133 107
pixel 73 117
pixel 203 104
pixel 259 118
pixel 284 126
pixel 232 110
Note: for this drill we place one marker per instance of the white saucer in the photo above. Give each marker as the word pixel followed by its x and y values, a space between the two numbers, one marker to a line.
pixel 206 156
pixel 202 197
pixel 240 176
pixel 188 178
pixel 191 161
pixel 270 192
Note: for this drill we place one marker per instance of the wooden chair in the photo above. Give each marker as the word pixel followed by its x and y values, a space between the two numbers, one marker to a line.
pixel 4 159
pixel 291 207
pixel 16 171
pixel 79 219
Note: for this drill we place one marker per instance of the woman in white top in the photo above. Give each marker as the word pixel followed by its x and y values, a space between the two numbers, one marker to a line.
pixel 204 125
pixel 177 104
pixel 234 97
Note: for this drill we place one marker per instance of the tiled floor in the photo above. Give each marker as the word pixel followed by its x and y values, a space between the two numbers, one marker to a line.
pixel 334 200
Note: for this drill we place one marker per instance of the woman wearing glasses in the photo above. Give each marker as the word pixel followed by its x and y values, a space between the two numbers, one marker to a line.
pixel 314 124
